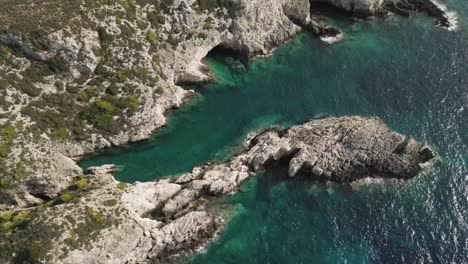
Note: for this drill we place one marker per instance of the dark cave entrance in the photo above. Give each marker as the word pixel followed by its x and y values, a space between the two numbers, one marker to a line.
pixel 223 51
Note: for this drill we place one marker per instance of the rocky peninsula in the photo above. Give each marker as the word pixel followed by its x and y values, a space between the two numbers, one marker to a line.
pixel 84 76
pixel 153 222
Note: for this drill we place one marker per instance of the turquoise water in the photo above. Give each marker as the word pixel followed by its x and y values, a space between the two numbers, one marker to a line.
pixel 412 75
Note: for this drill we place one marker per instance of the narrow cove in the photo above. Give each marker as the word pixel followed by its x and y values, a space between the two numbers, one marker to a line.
pixel 405 71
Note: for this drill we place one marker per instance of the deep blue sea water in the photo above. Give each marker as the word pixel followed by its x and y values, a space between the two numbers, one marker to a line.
pixel 403 70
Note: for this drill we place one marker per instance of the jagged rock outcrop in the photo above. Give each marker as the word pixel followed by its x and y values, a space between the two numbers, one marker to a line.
pixel 382 8
pixel 169 218
pixel 364 7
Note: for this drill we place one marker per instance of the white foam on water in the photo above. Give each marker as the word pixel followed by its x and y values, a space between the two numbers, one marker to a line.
pixel 332 39
pixel 451 15
pixel 366 182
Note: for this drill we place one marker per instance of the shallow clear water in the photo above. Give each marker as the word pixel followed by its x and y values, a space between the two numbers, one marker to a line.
pixel 412 75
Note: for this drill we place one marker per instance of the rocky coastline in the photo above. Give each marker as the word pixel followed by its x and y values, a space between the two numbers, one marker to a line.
pixel 256 28
pixel 163 220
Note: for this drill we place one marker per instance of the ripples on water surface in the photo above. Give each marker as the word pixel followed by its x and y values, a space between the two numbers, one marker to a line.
pixel 410 74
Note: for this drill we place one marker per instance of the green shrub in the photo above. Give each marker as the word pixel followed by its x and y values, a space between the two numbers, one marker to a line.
pixel 58 64
pixel 208 23
pixel 207 4
pixel 105 106
pixel 36 72
pixel 6 216
pixel 15 221
pixel 100 115
pixel 67 197
pixel 4 52
pixel 82 182
pixel 20 219
pixel 36 251
pixel 5 182
pixel 142 74
pixel 122 75
pixel 101 69
pixel 45 120
pixel 60 87
pixel 88 93
pixel 27 87
pixel 160 90
pixel 152 37
pixel 111 202
pixel 73 89
pixel 132 102
pixel 94 216
pixel 142 24
pixel 156 60
pixel 5 150
pixel 156 19
pixel 61 133
pixel 8 133
pixel 105 38
pixel 21 173
pixel 122 186
pixel 126 31
pixel 112 89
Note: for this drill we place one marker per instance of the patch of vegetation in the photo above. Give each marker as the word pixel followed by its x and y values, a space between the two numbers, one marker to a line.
pixel 88 93
pixel 157 60
pixel 27 237
pixel 142 24
pixel 82 182
pixel 11 221
pixel 62 133
pixel 208 4
pixel 101 115
pixel 104 112
pixel 122 186
pixel 111 202
pixel 58 64
pixel 156 19
pixel 160 89
pixel 112 89
pixel 152 37
pixel 208 24
pixel 7 136
pixel 8 133
pixel 89 229
pixel 105 38
pixel 67 197
pixel 21 173
pixel 53 123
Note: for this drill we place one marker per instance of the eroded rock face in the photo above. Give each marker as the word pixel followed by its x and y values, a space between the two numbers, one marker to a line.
pixel 350 148
pixel 366 8
pixel 169 218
